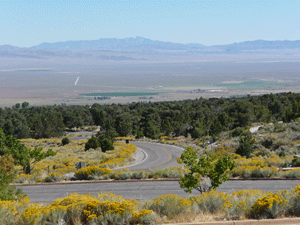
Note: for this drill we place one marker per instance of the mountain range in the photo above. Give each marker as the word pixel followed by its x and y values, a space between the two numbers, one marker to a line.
pixel 144 45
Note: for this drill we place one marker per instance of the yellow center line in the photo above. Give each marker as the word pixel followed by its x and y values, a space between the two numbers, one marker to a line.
pixel 170 158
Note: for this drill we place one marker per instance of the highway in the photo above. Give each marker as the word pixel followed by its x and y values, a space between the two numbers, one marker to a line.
pixel 152 155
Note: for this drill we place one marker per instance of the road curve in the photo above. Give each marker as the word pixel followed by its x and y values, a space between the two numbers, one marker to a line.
pixel 156 156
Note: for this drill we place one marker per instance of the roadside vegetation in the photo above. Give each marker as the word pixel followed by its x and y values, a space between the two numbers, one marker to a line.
pixel 107 208
pixel 62 166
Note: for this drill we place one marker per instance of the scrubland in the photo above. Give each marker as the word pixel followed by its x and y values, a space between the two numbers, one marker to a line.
pixel 108 208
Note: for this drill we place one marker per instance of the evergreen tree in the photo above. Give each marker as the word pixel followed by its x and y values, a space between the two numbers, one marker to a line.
pixel 245 147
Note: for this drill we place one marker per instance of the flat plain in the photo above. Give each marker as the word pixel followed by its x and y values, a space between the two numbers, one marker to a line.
pixel 70 80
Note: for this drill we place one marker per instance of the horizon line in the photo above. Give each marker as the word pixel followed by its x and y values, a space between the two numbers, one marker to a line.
pixel 237 42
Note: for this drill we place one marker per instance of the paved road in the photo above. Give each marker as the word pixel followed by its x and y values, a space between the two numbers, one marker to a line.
pixel 156 156
pixel 142 191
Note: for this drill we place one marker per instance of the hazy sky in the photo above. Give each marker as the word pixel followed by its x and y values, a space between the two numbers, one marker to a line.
pixel 26 23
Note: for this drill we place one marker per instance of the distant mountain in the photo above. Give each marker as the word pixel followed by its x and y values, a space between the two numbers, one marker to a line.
pixel 259 45
pixel 140 44
pixel 137 44
pixel 120 49
pixel 8 48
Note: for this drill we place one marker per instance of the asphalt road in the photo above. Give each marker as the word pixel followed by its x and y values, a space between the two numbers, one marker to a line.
pixel 156 155
pixel 143 191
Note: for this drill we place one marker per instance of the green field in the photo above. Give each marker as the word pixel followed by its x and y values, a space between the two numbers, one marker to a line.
pixel 251 85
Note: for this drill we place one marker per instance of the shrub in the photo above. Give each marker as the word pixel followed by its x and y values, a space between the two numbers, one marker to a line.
pixel 34 214
pixel 170 172
pixel 105 209
pixel 140 175
pixel 27 178
pixel 270 206
pixel 275 160
pixel 236 132
pixel 106 145
pixel 54 177
pixel 254 171
pixel 11 211
pixel 296 162
pixel 211 202
pixel 169 205
pixel 145 216
pixel 269 141
pixel 65 141
pixel 123 175
pixel 93 142
pixel 246 142
pixel 290 173
pixel 295 202
pixel 281 154
pixel 88 172
pixel 239 203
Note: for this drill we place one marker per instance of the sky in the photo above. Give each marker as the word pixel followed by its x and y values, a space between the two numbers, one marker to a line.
pixel 25 23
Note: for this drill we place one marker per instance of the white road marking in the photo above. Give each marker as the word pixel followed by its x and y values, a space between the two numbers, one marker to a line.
pixel 146 157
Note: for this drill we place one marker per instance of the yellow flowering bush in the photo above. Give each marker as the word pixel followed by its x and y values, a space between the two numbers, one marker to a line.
pixel 238 204
pixel 8 212
pixel 34 214
pixel 210 201
pixel 125 138
pixel 114 212
pixel 11 211
pixel 254 161
pixel 145 216
pixel 119 157
pixel 107 208
pixel 91 172
pixel 272 205
pixel 275 160
pixel 254 171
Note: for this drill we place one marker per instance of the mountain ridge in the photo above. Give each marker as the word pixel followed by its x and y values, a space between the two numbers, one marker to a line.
pixel 144 45
pixel 131 44
pixel 140 41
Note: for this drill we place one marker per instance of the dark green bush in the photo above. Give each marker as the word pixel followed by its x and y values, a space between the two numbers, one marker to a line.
pixel 93 142
pixel 106 145
pixel 296 162
pixel 65 141
pixel 236 132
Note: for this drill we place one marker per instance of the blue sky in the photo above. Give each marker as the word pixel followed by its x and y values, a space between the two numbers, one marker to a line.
pixel 25 23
